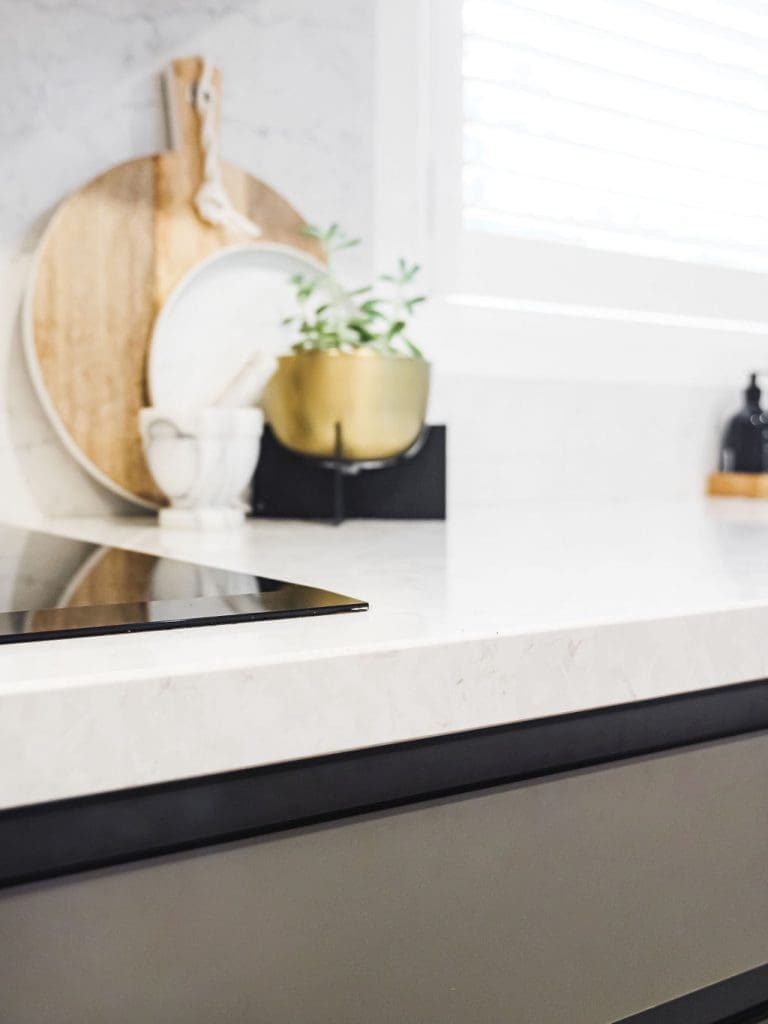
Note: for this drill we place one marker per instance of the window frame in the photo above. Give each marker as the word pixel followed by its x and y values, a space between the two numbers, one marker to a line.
pixel 562 301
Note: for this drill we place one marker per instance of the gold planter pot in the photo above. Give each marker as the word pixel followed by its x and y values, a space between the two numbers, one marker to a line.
pixel 379 401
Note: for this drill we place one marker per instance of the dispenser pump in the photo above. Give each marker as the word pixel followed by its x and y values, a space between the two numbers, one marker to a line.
pixel 745 442
pixel 753 394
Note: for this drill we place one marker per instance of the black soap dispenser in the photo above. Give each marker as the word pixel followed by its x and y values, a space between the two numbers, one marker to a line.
pixel 745 442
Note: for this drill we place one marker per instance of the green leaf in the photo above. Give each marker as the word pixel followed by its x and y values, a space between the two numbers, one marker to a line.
pixel 414 351
pixel 361 330
pixel 371 308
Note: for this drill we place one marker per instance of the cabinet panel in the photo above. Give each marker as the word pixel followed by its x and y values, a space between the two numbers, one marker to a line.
pixel 577 899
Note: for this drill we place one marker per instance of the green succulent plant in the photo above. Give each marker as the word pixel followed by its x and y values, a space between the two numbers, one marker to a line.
pixel 374 317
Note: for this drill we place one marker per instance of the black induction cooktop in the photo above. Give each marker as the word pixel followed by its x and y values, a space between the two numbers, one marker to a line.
pixel 53 587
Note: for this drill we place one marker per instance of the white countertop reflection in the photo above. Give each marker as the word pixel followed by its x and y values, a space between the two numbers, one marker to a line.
pixel 500 615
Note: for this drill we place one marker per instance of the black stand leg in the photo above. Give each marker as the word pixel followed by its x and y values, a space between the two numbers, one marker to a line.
pixel 338 481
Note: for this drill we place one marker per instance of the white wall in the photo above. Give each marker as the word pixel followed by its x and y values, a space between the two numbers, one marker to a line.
pixel 528 416
pixel 518 440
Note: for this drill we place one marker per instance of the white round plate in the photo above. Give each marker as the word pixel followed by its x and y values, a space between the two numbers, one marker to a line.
pixel 220 314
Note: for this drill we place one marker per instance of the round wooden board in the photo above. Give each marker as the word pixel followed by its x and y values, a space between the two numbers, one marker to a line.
pixel 112 253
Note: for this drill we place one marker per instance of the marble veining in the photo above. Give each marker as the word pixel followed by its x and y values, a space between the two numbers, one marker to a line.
pixel 496 617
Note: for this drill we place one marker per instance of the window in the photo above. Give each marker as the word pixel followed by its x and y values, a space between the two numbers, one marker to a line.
pixel 603 153
pixel 636 126
pixel 586 177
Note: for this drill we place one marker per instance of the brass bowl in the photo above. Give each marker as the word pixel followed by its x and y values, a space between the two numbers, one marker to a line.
pixel 380 402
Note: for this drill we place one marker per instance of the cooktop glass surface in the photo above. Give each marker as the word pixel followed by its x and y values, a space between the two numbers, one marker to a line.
pixel 53 587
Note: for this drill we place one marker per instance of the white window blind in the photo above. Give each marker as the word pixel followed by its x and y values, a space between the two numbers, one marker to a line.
pixel 633 126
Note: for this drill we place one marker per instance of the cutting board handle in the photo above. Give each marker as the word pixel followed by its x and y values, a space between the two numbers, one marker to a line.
pixel 194 118
pixel 181 78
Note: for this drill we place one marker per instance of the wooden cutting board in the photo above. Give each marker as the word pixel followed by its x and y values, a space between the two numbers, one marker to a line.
pixel 110 256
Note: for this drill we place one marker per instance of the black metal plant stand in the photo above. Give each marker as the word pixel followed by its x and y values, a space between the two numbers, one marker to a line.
pixel 342 468
pixel 411 485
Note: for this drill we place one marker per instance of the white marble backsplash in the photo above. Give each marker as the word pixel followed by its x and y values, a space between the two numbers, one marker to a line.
pixel 81 92
pixel 518 440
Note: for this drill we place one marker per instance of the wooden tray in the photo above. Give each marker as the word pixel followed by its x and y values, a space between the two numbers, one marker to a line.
pixel 738 485
pixel 110 256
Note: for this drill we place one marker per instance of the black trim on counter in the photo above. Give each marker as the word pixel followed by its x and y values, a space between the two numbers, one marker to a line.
pixel 47 840
pixel 742 999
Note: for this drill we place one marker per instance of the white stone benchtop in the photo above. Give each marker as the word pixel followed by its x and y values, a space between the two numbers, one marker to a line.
pixel 501 615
